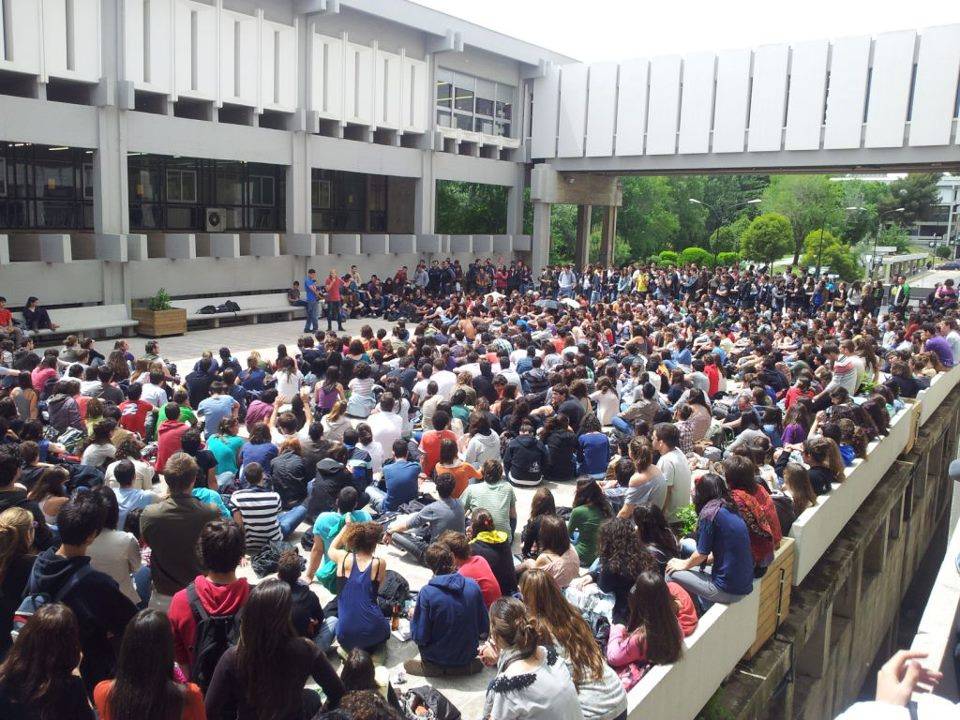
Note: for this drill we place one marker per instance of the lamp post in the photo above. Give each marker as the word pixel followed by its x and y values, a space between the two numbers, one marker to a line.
pixel 876 236
pixel 719 217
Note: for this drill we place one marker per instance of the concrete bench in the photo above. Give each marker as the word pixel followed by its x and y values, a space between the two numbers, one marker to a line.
pixel 252 307
pixel 90 319
pixel 679 691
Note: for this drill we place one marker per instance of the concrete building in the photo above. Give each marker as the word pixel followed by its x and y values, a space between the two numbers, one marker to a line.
pixel 223 147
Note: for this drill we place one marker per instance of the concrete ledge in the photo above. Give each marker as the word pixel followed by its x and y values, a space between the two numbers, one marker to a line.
pixel 55 248
pixel 224 245
pixel 818 526
pixel 429 243
pixel 502 243
pixel 374 244
pixel 461 244
pixel 265 244
pixel 302 244
pixel 343 244
pixel 137 247
pixel 482 244
pixel 180 246
pixel 940 387
pixel 522 243
pixel 322 242
pixel 4 250
pixel 403 244
pixel 680 691
pixel 112 248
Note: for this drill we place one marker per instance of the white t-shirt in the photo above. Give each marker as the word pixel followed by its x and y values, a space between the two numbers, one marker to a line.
pixel 154 394
pixel 446 381
pixel 117 554
pixel 386 428
pixel 143 475
pixel 674 467
pixel 608 405
pixel 288 385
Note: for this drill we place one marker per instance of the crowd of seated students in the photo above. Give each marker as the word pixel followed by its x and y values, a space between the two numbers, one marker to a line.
pixel 739 393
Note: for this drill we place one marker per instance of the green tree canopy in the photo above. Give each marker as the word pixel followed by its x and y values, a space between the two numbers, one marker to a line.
pixel 828 251
pixel 808 201
pixel 916 193
pixel 471 208
pixel 768 237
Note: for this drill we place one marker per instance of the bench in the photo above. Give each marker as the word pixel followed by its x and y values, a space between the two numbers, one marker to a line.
pixel 76 320
pixel 252 307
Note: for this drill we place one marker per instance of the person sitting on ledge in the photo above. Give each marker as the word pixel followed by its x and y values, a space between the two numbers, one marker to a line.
pixel 36 317
pixel 449 620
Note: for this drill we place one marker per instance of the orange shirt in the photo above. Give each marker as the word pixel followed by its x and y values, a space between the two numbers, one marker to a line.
pixel 192 708
pixel 462 475
pixel 430 447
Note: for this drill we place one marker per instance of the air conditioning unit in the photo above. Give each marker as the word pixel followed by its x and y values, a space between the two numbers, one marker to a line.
pixel 216 219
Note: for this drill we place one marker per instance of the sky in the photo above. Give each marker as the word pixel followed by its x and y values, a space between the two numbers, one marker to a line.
pixel 598 30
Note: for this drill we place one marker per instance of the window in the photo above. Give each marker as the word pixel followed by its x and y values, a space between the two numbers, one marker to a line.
pixel 181 186
pixel 3 177
pixel 261 190
pixel 88 181
pixel 473 104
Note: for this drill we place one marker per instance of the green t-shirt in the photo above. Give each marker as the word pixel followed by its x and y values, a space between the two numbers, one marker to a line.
pixel 498 499
pixel 327 526
pixel 224 449
pixel 587 519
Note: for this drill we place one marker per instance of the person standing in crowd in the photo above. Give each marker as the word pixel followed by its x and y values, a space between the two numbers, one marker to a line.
pixel 333 289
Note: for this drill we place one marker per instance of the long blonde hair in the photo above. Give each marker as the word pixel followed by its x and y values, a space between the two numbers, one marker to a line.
pixel 15 526
pixel 337 410
pixel 556 619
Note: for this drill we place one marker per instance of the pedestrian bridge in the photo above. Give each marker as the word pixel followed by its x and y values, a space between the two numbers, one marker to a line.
pixel 857 103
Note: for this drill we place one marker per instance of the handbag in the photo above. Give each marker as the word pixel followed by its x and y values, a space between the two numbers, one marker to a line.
pixel 427 703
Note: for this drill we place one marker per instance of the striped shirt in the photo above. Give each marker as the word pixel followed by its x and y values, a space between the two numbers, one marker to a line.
pixel 259 509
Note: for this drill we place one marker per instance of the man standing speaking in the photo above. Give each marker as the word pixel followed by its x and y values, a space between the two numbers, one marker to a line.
pixel 334 286
pixel 311 287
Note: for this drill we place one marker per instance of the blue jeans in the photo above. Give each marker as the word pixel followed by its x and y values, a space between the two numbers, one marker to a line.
pixel 377 496
pixel 312 323
pixel 141 581
pixel 326 634
pixel 622 425
pixel 290 519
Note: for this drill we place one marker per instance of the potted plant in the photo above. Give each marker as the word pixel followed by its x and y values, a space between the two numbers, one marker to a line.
pixel 159 317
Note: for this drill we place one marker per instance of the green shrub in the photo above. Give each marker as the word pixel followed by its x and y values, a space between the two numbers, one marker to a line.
pixel 698 256
pixel 725 259
pixel 160 301
pixel 687 517
pixel 943 252
pixel 669 256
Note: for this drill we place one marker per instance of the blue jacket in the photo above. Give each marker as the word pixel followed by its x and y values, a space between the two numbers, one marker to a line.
pixel 449 618
pixel 596 453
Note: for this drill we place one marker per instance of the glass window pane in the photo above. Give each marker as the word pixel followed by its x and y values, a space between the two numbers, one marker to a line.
pixel 504 111
pixel 188 186
pixel 464 122
pixel 443 119
pixel 173 186
pixel 444 93
pixel 463 99
pixel 503 129
pixel 483 125
pixel 484 107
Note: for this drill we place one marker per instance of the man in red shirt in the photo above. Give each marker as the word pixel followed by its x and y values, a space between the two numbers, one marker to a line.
pixel 472 566
pixel 169 435
pixel 7 328
pixel 333 286
pixel 712 372
pixel 430 442
pixel 133 412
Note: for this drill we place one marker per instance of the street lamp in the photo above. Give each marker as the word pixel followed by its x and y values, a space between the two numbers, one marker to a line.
pixel 719 217
pixel 876 236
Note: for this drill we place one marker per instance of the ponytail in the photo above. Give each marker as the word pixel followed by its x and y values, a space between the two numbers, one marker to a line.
pixel 511 624
pixel 15 524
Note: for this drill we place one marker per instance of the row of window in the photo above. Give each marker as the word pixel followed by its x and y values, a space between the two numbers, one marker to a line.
pixel 471 103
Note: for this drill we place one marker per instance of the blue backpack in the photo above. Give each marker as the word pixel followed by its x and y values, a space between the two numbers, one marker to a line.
pixel 34 600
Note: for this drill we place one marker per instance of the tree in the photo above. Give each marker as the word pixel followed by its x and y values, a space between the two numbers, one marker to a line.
pixel 894 236
pixel 697 256
pixel 943 252
pixel 644 220
pixel 768 238
pixel 471 208
pixel 916 193
pixel 808 201
pixel 824 249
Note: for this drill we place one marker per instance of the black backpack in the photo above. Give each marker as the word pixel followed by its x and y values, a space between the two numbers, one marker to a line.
pixel 393 591
pixel 213 637
pixel 207 310
pixel 231 306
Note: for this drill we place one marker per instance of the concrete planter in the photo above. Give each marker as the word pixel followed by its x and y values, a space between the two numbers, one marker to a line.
pixel 159 323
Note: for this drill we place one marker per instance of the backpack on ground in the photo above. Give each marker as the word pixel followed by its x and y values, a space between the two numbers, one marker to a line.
pixel 34 600
pixel 394 590
pixel 207 310
pixel 213 637
pixel 231 306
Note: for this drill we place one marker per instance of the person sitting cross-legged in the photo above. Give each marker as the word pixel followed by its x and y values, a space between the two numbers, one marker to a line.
pixel 414 532
pixel 448 621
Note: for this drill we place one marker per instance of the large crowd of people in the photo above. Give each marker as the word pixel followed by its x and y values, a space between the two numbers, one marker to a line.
pixel 688 416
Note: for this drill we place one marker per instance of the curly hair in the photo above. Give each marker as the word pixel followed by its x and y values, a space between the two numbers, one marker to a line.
pixel 621 551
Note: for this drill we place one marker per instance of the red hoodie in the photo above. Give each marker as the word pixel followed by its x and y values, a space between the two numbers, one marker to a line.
pixel 216 600
pixel 169 436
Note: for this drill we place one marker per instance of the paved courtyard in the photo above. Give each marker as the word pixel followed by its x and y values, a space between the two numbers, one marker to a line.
pixel 466 693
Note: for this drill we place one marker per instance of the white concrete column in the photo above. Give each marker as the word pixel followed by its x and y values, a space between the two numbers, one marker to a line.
pixel 111 212
pixel 515 203
pixel 540 244
pixel 299 212
pixel 424 218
